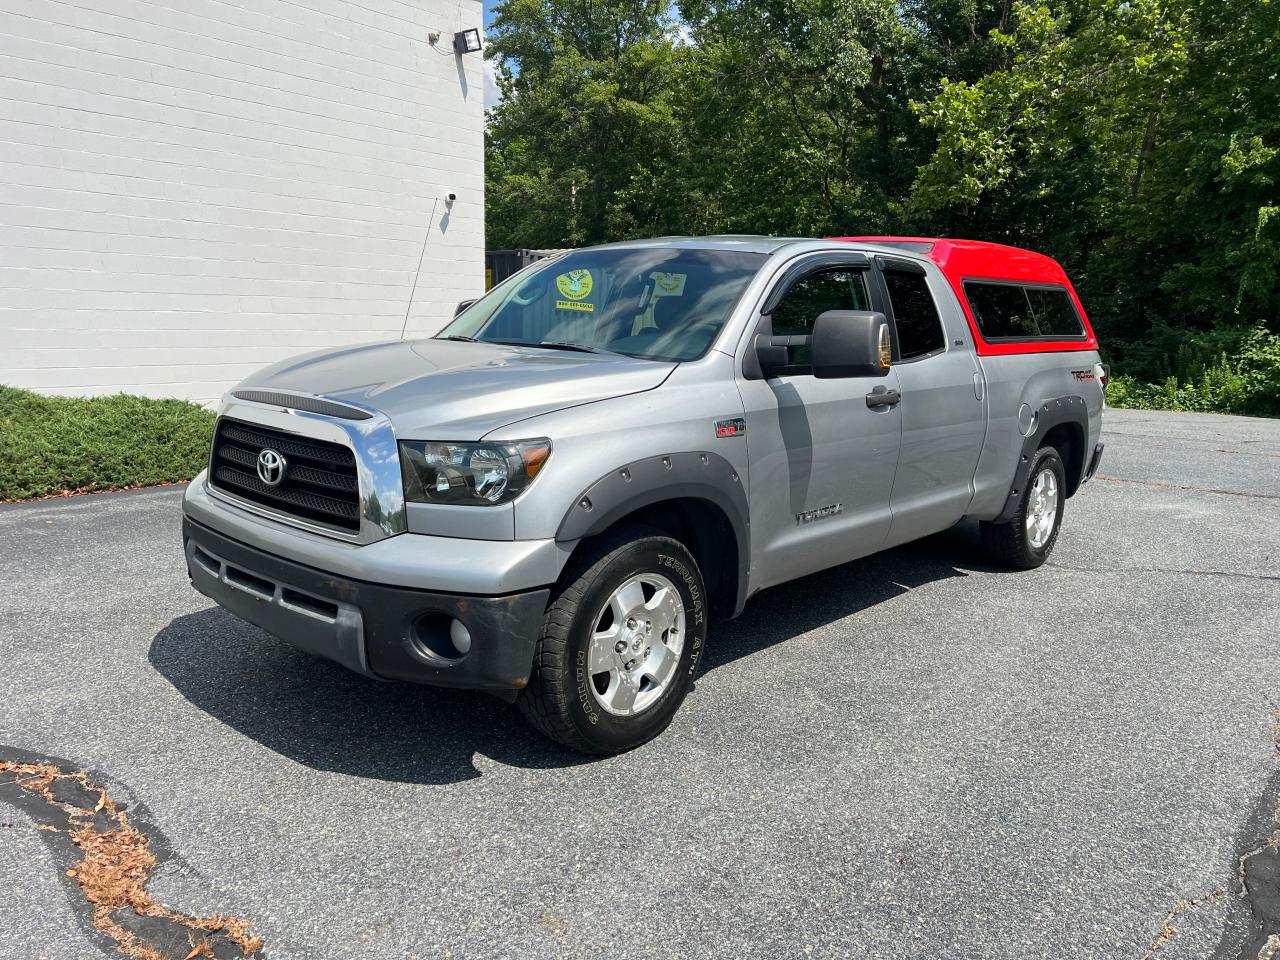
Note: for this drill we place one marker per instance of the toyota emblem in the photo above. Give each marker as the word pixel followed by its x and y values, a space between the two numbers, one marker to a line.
pixel 271 466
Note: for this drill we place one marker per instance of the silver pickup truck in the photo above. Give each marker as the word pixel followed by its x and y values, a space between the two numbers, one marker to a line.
pixel 551 499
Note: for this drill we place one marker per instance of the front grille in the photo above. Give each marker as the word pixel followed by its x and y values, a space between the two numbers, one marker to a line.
pixel 319 477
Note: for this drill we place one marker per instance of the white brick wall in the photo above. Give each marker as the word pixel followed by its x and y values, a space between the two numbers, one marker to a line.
pixel 192 189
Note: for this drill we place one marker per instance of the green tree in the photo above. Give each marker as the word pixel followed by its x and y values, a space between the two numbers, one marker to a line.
pixel 585 109
pixel 1136 141
pixel 797 113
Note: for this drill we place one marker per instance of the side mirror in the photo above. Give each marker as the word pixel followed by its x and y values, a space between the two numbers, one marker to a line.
pixel 851 343
pixel 463 305
pixel 769 357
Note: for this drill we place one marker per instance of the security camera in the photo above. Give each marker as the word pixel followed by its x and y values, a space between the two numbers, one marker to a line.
pixel 449 196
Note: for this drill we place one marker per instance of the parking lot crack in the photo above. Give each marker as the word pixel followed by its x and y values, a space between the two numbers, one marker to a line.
pixel 1259 876
pixel 110 861
pixel 1167 928
pixel 1188 487
pixel 1252 930
pixel 1258 890
pixel 1197 441
pixel 1110 570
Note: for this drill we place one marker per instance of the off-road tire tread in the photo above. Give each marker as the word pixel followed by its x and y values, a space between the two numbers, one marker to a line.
pixel 1007 542
pixel 541 701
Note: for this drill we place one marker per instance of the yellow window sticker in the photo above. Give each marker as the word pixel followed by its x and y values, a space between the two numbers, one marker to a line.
pixel 574 285
pixel 575 305
pixel 669 284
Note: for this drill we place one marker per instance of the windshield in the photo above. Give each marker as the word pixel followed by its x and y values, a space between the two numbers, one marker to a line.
pixel 657 303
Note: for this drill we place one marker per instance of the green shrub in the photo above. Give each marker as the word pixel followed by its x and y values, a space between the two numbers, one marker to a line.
pixel 54 444
pixel 1241 377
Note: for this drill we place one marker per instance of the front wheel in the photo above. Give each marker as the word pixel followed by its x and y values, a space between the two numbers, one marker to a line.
pixel 1026 540
pixel 621 642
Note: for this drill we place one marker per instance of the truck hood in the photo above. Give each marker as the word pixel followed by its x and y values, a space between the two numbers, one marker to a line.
pixel 451 390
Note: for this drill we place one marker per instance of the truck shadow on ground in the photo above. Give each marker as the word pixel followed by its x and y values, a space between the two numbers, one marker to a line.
pixel 325 717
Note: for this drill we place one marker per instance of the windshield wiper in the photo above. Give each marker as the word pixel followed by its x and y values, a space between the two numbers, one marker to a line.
pixel 565 345
pixel 547 344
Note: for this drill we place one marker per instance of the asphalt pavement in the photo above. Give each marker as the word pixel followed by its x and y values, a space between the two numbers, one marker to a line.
pixel 914 755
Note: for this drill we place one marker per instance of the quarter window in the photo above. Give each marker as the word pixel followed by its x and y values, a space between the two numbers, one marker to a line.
pixel 914 314
pixel 1009 311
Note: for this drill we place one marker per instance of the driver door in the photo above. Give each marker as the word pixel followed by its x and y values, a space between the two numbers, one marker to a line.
pixel 822 460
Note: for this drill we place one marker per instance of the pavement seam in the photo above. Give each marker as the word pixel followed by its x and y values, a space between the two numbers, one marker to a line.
pixel 1112 432
pixel 1193 573
pixel 1188 487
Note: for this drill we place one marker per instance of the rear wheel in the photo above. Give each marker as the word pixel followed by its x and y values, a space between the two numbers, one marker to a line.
pixel 1027 539
pixel 620 644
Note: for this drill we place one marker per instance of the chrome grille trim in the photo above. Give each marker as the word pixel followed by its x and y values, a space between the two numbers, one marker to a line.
pixel 379 487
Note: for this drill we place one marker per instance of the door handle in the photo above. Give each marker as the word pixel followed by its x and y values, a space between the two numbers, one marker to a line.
pixel 881 397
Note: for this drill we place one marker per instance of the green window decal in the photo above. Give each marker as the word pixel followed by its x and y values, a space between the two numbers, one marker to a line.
pixel 575 286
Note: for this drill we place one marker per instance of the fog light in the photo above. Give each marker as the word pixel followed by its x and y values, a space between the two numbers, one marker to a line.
pixel 460 637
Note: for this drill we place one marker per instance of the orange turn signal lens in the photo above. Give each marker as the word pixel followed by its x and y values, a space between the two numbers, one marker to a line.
pixel 534 456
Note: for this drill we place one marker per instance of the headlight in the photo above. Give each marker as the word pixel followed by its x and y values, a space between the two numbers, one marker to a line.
pixel 470 474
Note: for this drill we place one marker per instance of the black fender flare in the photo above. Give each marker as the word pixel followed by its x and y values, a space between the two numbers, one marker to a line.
pixel 695 475
pixel 1050 413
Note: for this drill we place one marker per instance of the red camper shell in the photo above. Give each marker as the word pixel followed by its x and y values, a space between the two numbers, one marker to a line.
pixel 980 264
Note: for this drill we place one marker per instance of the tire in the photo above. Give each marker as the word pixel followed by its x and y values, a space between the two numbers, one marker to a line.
pixel 1025 541
pixel 572 704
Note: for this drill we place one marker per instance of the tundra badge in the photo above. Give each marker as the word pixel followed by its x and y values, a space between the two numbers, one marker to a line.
pixel 820 513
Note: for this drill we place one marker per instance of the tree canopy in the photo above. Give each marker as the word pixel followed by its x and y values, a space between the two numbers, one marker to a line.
pixel 1137 141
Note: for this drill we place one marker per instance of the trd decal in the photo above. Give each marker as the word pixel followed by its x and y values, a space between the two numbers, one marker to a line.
pixel 821 513
pixel 1084 376
pixel 731 427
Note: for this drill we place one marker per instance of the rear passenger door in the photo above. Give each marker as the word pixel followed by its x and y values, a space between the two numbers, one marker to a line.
pixel 943 407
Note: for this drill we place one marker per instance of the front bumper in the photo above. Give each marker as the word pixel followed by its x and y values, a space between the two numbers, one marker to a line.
pixel 389 632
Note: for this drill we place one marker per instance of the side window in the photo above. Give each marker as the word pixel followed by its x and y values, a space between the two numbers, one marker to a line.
pixel 1001 310
pixel 914 314
pixel 836 288
pixel 1053 312
pixel 1007 311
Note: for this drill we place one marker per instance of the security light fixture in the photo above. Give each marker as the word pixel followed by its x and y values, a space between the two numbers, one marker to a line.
pixel 467 41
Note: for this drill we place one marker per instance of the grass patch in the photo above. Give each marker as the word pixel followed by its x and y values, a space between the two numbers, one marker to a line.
pixel 51 445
